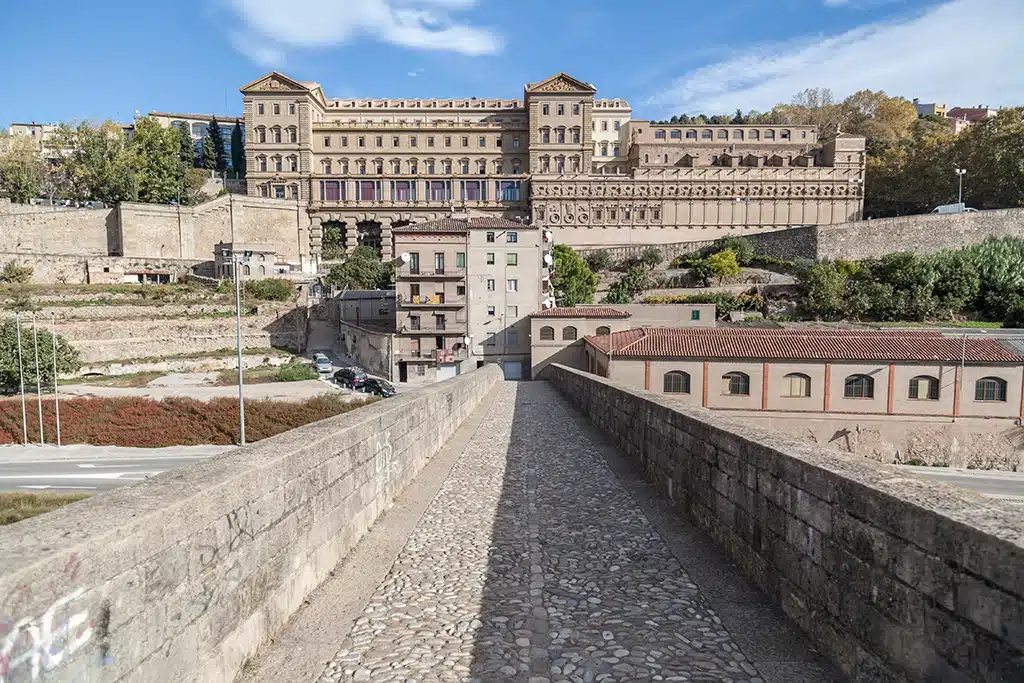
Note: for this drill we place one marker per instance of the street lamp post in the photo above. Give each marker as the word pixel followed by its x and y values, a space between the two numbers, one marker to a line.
pixel 960 176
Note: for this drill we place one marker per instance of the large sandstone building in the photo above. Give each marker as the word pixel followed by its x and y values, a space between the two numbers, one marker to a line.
pixel 559 158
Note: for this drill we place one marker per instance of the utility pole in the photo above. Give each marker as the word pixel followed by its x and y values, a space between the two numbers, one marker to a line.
pixel 960 176
pixel 56 400
pixel 39 389
pixel 21 380
pixel 236 264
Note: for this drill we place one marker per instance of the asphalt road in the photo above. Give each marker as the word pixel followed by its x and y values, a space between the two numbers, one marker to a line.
pixel 90 469
pixel 1007 486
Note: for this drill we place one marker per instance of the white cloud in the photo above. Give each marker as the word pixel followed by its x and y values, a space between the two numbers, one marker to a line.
pixel 417 24
pixel 264 55
pixel 962 52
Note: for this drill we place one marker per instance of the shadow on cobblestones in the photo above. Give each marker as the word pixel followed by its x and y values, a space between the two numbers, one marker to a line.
pixel 579 585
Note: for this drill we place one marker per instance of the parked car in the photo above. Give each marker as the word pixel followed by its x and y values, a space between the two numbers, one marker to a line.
pixel 353 378
pixel 379 387
pixel 322 363
pixel 954 208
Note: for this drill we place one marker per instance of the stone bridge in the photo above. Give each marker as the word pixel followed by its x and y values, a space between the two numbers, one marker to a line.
pixel 550 531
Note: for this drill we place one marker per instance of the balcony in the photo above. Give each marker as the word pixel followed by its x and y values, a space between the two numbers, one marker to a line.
pixel 432 273
pixel 432 327
pixel 433 355
pixel 432 301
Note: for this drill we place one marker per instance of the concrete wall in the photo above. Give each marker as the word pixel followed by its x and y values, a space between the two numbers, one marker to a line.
pixel 39 229
pixel 183 576
pixel 894 578
pixel 566 351
pixel 91 269
pixel 374 351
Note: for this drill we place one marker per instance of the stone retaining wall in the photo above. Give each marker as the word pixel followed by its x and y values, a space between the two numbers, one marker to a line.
pixel 183 576
pixel 896 578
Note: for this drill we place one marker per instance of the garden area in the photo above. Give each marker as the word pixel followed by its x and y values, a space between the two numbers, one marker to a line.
pixel 981 285
pixel 145 423
pixel 15 507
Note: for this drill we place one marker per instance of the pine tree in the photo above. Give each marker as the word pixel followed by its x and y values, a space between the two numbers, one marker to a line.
pixel 188 148
pixel 237 150
pixel 216 137
pixel 209 154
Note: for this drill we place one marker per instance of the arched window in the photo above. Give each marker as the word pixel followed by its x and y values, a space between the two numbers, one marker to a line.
pixel 293 135
pixel 676 382
pixel 547 333
pixel 706 134
pixel 691 134
pixel 659 135
pixel 261 162
pixel 262 270
pixel 545 135
pixel 293 164
pixel 261 134
pixel 277 133
pixel 568 333
pixel 736 384
pixel 646 158
pixel 738 135
pixel 723 134
pixel 245 270
pixel 755 135
pixel 604 331
pixel 990 389
pixel 327 166
pixel 924 388
pixel 796 385
pixel 604 149
pixel 677 135
pixel 859 386
pixel 560 135
pixel 769 134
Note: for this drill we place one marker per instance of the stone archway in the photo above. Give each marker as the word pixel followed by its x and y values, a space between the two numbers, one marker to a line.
pixel 334 240
pixel 369 234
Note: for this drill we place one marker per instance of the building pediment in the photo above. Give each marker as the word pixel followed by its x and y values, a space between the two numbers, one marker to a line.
pixel 275 82
pixel 560 82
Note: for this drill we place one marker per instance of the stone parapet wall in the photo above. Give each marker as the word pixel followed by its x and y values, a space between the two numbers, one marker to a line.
pixel 41 229
pixel 184 576
pixel 895 578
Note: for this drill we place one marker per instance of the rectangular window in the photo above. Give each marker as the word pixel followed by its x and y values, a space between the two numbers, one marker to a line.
pixel 598 214
pixel 362 141
pixel 291 109
pixel 414 322
pixel 491 312
pixel 512 312
pixel 460 290
pixel 279 192
pixel 482 142
pixel 511 337
pixel 613 214
pixel 604 125
pixel 643 214
pixel 414 263
pixel 575 110
pixel 512 285
pixel 497 142
pixel 369 190
pixel 561 110
pixel 545 110
pixel 512 259
pixel 465 141
pixel 490 285
pixel 490 237
pixel 490 258
pixel 277 108
pixel 430 141
pixel 421 369
pixel 394 141
pixel 263 190
pixel 694 315
pixel 508 190
pixel 414 290
pixel 473 190
pixel 380 141
pixel 330 190
pixel 447 140
pixel 492 340
pixel 412 141
pixel 515 141
pixel 404 191
pixel 439 190
pixel 460 259
pixel 616 125
pixel 344 141
pixel 327 141
pixel 512 237
pixel 259 108
pixel 657 214
pixel 439 262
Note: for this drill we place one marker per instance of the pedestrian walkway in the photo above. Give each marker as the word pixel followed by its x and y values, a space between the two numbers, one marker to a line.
pixel 535 563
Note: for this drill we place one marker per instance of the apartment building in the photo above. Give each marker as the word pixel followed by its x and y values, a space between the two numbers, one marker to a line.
pixel 198 126
pixel 558 157
pixel 464 291
pixel 906 373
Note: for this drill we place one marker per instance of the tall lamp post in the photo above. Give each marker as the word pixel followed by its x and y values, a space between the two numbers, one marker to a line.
pixel 960 176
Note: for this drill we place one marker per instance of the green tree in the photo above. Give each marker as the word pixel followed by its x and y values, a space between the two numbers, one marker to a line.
pixel 209 155
pixel 270 289
pixel 156 160
pixel 67 357
pixel 21 171
pixel 186 147
pixel 651 257
pixel 573 281
pixel 332 246
pixel 237 150
pixel 216 136
pixel 617 294
pixel 743 247
pixel 723 264
pixel 363 269
pixel 824 290
pixel 98 162
pixel 599 260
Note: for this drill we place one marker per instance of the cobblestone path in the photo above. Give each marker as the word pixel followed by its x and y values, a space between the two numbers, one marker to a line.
pixel 534 564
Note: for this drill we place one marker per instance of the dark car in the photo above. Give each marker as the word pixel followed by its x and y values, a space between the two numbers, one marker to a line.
pixel 353 378
pixel 379 387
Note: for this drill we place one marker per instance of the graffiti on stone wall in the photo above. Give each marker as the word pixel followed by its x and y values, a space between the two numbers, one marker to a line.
pixel 384 461
pixel 34 646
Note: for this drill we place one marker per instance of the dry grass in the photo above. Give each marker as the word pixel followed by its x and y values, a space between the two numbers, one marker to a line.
pixel 15 507
pixel 130 380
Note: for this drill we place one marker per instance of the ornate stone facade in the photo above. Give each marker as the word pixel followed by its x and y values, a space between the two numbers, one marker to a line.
pixel 558 158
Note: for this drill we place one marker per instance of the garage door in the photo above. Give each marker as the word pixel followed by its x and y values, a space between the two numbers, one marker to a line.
pixel 513 369
pixel 444 371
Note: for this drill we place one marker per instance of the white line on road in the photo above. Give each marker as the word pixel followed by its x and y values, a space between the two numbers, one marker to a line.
pixel 57 486
pixel 83 476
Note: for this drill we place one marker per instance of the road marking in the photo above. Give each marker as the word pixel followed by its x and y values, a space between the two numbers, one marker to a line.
pixel 83 476
pixel 57 486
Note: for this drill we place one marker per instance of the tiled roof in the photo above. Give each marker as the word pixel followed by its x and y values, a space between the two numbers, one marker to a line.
pixel 800 344
pixel 461 224
pixel 580 312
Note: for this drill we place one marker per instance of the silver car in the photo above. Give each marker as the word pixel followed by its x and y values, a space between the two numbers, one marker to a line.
pixel 322 363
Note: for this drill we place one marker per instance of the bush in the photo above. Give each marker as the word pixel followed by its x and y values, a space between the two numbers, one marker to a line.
pixel 67 357
pixel 270 289
pixel 743 247
pixel 651 257
pixel 599 260
pixel 723 301
pixel 13 273
pixel 296 372
pixel 686 260
pixel 723 264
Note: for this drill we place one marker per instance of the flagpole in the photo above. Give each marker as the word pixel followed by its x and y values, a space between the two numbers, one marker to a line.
pixel 56 399
pixel 39 387
pixel 21 380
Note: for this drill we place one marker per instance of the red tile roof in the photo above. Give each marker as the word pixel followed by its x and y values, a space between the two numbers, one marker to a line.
pixel 800 344
pixel 580 312
pixel 461 224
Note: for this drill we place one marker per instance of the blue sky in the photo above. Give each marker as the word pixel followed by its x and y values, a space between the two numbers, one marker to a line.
pixel 105 59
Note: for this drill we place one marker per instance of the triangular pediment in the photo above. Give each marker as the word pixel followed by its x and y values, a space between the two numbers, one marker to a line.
pixel 560 82
pixel 274 82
